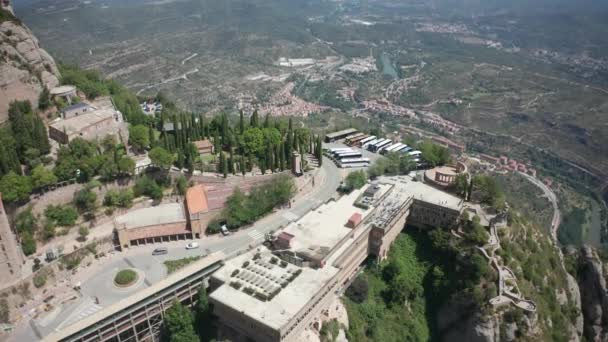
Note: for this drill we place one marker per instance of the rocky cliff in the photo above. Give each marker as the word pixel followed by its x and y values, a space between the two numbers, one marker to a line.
pixel 25 68
pixel 593 293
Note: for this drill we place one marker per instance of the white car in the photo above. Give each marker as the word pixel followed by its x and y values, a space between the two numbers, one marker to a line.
pixel 192 245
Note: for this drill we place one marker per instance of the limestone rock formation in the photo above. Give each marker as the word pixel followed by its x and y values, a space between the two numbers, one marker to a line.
pixel 25 68
pixel 594 299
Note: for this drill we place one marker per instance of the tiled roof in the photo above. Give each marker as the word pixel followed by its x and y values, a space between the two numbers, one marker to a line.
pixel 196 199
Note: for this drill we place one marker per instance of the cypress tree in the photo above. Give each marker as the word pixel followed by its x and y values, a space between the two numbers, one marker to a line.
pixel 282 156
pixel 250 162
pixel 254 119
pixel 269 158
pixel 243 166
pixel 224 126
pixel 40 137
pixel 267 121
pixel 290 124
pixel 241 122
pixel 231 163
pixel 152 135
pixel 216 142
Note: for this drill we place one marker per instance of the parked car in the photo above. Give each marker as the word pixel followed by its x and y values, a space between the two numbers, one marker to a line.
pixel 192 245
pixel 160 251
pixel 225 230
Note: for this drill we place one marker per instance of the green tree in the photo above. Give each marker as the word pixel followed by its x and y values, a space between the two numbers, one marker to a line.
pixel 126 165
pixel 125 198
pixel 241 123
pixel 355 180
pixel 139 137
pixel 85 200
pixel 28 244
pixel 461 185
pixel 178 324
pixel 254 123
pixel 42 177
pixel 434 154
pixel 161 157
pixel 253 140
pixel 15 188
pixel 181 185
pixel 44 100
pixel 62 215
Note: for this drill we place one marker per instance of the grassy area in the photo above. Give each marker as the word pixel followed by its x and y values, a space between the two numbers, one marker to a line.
pixel 174 265
pixel 125 277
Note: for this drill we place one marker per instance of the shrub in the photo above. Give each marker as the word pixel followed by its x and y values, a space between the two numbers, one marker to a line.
pixel 256 256
pixel 236 284
pixel 71 261
pixel 248 290
pixel 28 244
pixel 274 260
pixel 62 215
pixel 147 186
pixel 283 263
pixel 234 273
pixel 125 277
pixel 358 290
pixel 83 232
pixel 245 264
pixel 39 279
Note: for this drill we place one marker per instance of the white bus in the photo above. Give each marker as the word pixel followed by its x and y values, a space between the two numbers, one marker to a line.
pixel 354 162
pixel 394 147
pixel 371 142
pixel 349 155
pixel 366 140
pixel 379 145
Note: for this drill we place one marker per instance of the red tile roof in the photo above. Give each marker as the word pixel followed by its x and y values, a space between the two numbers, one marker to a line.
pixel 196 199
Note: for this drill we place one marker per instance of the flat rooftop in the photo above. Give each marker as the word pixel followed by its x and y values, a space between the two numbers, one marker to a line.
pixel 78 123
pixel 160 214
pixel 323 227
pixel 407 186
pixel 286 304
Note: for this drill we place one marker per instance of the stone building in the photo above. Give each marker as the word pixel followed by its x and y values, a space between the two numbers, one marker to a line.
pixel 93 125
pixel 11 258
pixel 260 298
pixel 204 147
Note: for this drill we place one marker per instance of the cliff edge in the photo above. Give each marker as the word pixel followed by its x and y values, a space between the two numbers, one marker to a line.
pixel 25 68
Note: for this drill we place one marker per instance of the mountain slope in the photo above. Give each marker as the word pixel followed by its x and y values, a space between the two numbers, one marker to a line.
pixel 25 67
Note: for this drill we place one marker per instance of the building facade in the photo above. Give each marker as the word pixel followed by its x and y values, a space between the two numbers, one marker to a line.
pixel 11 257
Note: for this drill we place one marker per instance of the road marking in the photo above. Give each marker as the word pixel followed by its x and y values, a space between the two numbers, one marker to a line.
pixel 256 235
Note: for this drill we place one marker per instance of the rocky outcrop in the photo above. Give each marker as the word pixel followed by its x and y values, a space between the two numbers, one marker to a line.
pixel 460 322
pixel 25 68
pixel 594 299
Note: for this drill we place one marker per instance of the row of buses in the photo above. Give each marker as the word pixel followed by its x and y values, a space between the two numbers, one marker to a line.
pixel 349 157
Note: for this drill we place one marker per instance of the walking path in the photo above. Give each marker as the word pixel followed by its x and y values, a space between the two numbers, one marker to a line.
pixel 508 291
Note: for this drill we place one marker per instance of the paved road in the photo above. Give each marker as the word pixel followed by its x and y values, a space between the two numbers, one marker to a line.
pixel 96 279
pixel 557 216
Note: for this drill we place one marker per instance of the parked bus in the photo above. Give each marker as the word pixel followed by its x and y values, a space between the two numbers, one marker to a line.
pixel 376 147
pixel 354 162
pixel 349 155
pixel 371 142
pixel 367 139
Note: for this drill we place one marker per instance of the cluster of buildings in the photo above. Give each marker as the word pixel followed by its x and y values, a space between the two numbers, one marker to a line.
pixel 151 107
pixel 90 122
pixel 284 103
pixel 281 289
pixel 504 163
pixel 167 222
